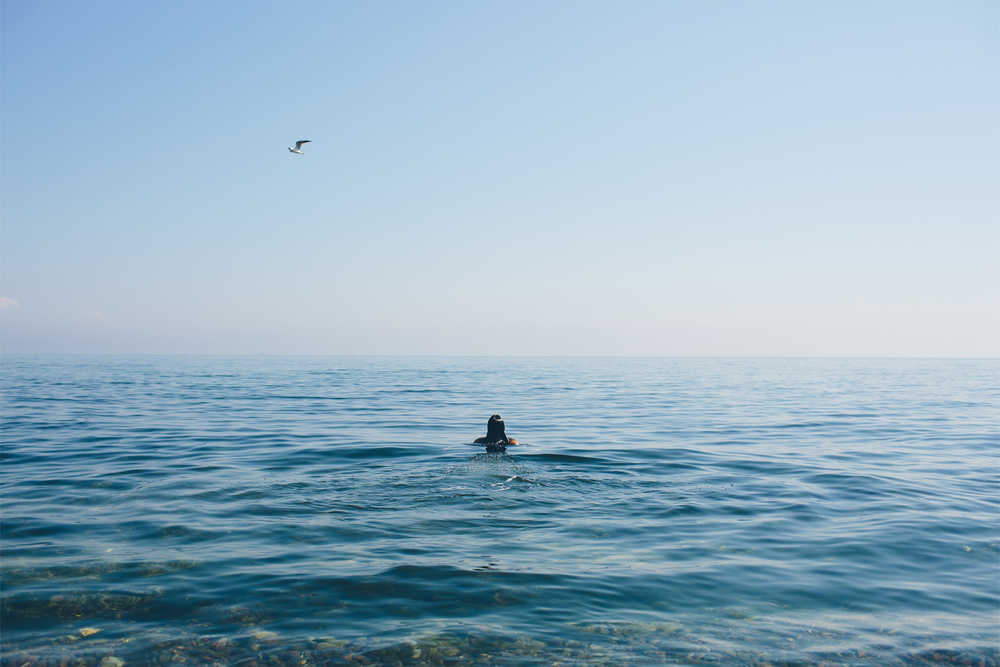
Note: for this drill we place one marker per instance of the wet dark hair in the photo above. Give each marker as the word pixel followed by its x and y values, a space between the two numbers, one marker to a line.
pixel 494 430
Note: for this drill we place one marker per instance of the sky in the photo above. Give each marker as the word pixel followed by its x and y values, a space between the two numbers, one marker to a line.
pixel 670 178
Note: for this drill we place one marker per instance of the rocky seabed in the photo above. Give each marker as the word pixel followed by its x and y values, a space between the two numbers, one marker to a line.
pixel 597 645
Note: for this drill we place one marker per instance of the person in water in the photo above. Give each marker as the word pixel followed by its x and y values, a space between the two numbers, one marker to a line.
pixel 496 440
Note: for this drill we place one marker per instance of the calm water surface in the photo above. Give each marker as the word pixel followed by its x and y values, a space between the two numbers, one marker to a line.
pixel 328 511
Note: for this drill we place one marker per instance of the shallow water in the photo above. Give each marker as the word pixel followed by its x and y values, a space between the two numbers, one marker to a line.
pixel 331 510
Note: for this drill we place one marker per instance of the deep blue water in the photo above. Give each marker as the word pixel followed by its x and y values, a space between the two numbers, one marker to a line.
pixel 332 510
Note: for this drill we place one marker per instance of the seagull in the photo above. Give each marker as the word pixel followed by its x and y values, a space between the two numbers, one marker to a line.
pixel 298 146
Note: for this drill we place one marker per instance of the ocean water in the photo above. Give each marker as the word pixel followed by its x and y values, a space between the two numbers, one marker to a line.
pixel 273 511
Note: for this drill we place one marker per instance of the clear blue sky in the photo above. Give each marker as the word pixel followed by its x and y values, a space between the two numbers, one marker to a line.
pixel 501 178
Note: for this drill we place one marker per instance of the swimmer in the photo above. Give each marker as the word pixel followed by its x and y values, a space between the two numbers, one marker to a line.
pixel 496 440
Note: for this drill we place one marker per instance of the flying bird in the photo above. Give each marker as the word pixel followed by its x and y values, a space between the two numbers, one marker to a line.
pixel 298 146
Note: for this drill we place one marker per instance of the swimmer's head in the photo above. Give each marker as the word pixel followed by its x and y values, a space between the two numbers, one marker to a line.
pixel 494 429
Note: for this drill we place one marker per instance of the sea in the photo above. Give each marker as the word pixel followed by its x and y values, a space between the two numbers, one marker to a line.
pixel 299 511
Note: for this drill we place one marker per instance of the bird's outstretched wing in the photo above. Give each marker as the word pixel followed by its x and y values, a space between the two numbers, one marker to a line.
pixel 298 144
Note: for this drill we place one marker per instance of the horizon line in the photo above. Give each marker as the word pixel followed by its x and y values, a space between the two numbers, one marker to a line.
pixel 470 356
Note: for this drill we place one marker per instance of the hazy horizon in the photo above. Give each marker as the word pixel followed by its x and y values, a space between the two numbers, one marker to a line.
pixel 472 356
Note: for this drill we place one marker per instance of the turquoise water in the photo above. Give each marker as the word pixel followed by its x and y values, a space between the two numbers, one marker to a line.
pixel 333 511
